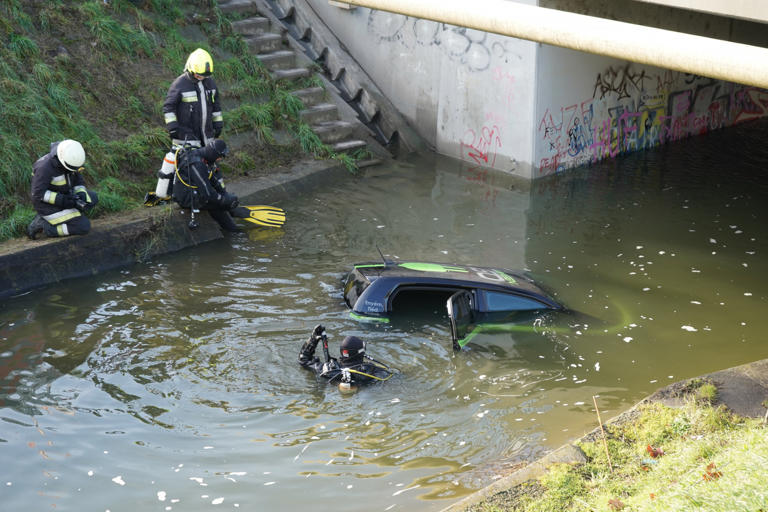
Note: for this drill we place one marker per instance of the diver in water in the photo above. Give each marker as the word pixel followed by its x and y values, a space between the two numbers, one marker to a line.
pixel 353 368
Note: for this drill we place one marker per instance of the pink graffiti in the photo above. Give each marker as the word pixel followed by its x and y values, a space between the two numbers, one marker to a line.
pixel 482 148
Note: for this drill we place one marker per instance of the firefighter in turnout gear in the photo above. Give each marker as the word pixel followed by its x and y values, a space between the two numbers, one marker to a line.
pixel 59 195
pixel 193 118
pixel 192 107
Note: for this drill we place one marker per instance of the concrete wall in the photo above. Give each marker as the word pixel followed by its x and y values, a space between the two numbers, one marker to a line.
pixel 591 107
pixel 468 93
pixel 532 109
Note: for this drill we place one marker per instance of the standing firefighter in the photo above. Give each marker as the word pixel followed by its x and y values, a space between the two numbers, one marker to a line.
pixel 192 106
pixel 59 195
pixel 192 111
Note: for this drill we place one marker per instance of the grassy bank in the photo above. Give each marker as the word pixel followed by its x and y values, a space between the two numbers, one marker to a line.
pixel 98 72
pixel 697 457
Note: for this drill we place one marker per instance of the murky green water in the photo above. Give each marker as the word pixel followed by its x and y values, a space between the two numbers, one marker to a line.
pixel 174 385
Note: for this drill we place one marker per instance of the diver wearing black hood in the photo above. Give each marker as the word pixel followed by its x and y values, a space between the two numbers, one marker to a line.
pixel 199 184
pixel 354 367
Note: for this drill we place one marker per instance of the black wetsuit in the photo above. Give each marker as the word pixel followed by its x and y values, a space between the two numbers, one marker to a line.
pixel 199 185
pixel 353 374
pixel 352 370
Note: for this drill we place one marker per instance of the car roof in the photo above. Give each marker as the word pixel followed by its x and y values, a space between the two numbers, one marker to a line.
pixel 420 272
pixel 371 286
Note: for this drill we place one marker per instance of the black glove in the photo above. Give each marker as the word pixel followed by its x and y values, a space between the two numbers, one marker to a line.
pixel 216 133
pixel 82 205
pixel 307 352
pixel 308 349
pixel 174 133
pixel 69 200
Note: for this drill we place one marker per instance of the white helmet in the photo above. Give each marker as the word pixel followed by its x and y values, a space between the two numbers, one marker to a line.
pixel 71 154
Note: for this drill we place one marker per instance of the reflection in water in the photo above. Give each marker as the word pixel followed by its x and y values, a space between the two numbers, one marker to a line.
pixel 175 384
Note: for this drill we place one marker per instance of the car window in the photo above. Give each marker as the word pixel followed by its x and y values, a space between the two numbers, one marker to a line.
pixel 498 301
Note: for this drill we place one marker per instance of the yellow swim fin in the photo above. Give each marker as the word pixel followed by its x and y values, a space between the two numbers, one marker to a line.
pixel 269 216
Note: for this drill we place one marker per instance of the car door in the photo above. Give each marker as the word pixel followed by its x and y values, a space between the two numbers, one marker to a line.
pixel 463 317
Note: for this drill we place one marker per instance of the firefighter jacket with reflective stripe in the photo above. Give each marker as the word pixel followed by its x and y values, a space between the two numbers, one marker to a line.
pixel 192 109
pixel 52 187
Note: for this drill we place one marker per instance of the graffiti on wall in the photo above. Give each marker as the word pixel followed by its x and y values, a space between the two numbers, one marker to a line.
pixel 631 109
pixel 482 146
pixel 467 47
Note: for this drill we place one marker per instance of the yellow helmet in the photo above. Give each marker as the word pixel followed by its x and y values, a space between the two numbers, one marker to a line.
pixel 200 63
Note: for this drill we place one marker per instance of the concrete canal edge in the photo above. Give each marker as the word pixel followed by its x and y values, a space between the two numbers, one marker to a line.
pixel 138 235
pixel 742 389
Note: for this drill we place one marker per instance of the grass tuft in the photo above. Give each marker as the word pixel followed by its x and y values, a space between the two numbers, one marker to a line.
pixel 15 224
pixel 309 141
pixel 23 47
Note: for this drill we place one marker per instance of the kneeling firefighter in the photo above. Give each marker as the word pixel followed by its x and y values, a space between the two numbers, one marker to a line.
pixel 199 185
pixel 59 195
pixel 353 368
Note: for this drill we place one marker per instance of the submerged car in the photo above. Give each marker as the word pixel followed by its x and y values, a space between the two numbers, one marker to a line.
pixel 475 296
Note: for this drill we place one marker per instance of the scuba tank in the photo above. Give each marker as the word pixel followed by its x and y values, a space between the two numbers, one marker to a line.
pixel 165 174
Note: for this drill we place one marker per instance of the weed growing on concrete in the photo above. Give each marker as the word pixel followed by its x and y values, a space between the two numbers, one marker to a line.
pixel 707 393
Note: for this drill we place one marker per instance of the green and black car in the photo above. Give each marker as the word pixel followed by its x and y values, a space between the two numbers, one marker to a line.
pixel 476 297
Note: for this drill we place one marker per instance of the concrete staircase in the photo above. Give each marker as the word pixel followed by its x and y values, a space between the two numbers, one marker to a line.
pixel 309 34
pixel 269 41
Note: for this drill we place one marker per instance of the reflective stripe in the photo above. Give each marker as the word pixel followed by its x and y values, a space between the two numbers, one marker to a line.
pixel 178 143
pixel 170 117
pixel 62 230
pixel 203 111
pixel 189 96
pixel 59 180
pixel 217 117
pixel 62 216
pixel 81 188
pixel 49 197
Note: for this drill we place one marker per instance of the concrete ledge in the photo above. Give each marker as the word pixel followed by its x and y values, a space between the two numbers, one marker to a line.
pixel 138 235
pixel 112 243
pixel 742 389
pixel 568 454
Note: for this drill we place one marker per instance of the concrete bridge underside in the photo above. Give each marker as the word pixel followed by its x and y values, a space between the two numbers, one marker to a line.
pixel 534 87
